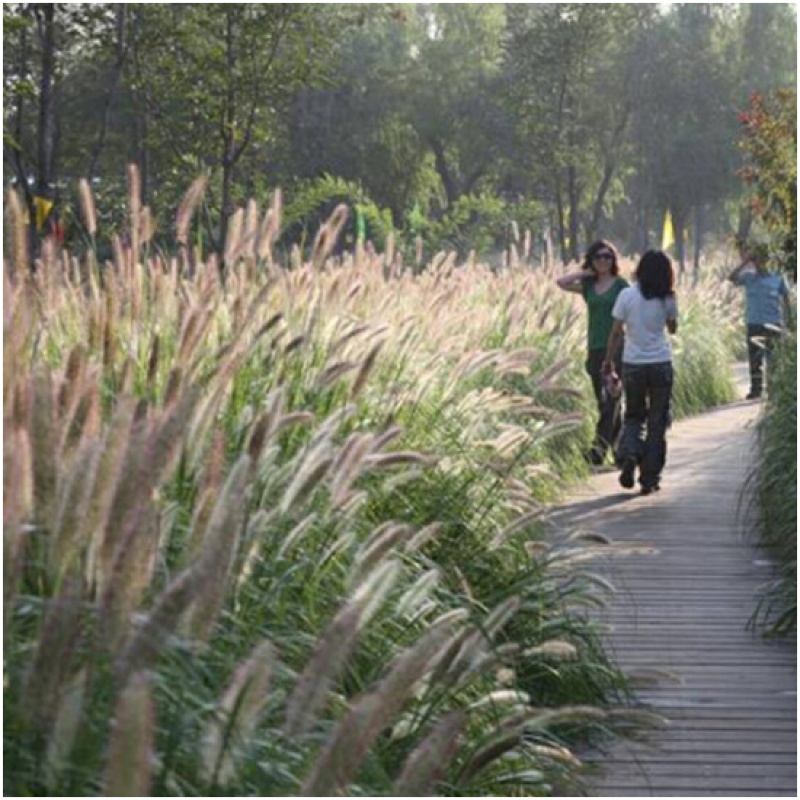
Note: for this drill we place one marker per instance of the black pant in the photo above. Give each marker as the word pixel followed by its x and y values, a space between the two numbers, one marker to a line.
pixel 648 391
pixel 756 352
pixel 609 409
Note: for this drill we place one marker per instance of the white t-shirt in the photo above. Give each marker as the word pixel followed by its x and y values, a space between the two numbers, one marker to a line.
pixel 645 326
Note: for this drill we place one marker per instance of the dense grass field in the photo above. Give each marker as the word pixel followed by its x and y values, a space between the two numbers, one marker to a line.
pixel 286 532
pixel 774 481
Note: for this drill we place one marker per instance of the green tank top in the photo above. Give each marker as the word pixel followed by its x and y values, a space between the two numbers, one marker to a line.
pixel 600 306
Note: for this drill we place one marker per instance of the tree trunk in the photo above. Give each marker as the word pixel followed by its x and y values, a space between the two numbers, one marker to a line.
pixel 228 141
pixel 141 111
pixel 227 201
pixel 745 221
pixel 574 214
pixel 547 245
pixel 644 242
pixel 562 238
pixel 121 54
pixel 46 137
pixel 597 209
pixel 679 226
pixel 609 167
pixel 699 219
pixel 19 166
pixel 440 159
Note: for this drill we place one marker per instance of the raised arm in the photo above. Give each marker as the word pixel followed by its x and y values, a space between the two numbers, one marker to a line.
pixel 733 275
pixel 571 282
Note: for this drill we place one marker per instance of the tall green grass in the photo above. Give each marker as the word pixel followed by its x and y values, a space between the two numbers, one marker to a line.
pixel 277 531
pixel 706 344
pixel 774 481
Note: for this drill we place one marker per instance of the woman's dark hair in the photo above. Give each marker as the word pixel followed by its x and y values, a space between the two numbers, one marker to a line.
pixel 655 275
pixel 596 247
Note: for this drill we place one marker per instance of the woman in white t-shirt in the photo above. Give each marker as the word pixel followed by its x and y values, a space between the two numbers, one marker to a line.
pixel 643 314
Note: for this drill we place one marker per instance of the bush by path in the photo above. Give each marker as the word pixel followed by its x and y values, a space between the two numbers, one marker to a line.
pixel 775 482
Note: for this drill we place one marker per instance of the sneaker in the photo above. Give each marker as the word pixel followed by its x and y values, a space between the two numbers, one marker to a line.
pixel 626 479
pixel 649 488
pixel 595 457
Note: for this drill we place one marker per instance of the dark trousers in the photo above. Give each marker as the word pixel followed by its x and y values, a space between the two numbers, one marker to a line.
pixel 756 351
pixel 609 409
pixel 648 392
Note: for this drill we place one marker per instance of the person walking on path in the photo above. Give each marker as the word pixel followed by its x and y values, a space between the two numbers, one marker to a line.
pixel 643 314
pixel 765 291
pixel 599 283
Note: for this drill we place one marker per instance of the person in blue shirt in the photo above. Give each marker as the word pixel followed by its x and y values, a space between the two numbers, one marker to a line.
pixel 766 296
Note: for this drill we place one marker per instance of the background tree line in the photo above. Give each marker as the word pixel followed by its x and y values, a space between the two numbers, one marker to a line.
pixel 439 123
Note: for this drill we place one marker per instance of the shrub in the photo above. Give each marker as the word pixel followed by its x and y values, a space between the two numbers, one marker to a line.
pixel 770 142
pixel 312 202
pixel 775 483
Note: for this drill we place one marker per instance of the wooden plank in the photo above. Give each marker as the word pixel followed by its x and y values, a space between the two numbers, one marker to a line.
pixel 685 607
pixel 778 743
pixel 726 725
pixel 616 791
pixel 785 772
pixel 700 783
pixel 665 759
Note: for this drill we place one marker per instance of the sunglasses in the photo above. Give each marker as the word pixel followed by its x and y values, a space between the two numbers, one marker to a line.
pixel 603 257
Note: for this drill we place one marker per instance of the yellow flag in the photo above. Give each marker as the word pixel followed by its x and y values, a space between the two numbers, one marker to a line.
pixel 43 207
pixel 668 234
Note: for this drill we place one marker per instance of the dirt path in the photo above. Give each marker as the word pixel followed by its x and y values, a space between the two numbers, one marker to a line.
pixel 729 696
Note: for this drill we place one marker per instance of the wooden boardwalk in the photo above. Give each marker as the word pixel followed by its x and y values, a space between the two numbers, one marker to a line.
pixel 730 697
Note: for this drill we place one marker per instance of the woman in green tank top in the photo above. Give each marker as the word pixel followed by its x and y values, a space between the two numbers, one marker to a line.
pixel 599 283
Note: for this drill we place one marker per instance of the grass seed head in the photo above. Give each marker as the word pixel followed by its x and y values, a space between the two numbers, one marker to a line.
pixel 17 218
pixel 145 643
pixel 488 754
pixel 65 728
pixel 130 756
pixel 333 648
pixel 186 210
pixel 311 472
pixel 426 765
pixel 220 547
pixel 367 365
pixel 238 713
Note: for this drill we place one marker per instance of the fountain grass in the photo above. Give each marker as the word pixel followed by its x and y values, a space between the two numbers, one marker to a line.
pixel 323 486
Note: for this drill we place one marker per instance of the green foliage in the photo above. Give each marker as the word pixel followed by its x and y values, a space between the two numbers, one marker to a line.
pixel 477 223
pixel 774 482
pixel 603 115
pixel 770 142
pixel 483 223
pixel 703 352
pixel 312 202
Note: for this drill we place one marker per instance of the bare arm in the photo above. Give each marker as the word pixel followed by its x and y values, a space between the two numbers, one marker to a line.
pixel 787 311
pixel 671 307
pixel 571 282
pixel 613 344
pixel 733 275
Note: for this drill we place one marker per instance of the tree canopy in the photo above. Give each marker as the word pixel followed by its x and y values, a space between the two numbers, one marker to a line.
pixel 447 120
